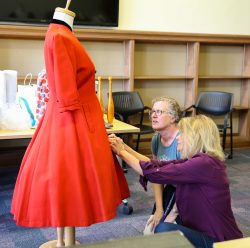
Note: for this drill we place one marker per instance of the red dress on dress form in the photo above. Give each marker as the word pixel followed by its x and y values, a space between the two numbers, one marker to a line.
pixel 68 176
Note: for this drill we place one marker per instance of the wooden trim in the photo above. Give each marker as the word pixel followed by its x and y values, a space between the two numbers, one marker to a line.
pixel 246 68
pixel 34 78
pixel 130 38
pixel 114 77
pixel 220 77
pixel 20 79
pixel 192 68
pixel 245 87
pixel 235 108
pixel 162 77
pixel 244 127
pixel 240 108
pixel 129 64
pixel 245 84
pixel 191 59
pixel 38 32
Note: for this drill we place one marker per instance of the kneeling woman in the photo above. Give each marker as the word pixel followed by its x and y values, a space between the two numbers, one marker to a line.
pixel 202 192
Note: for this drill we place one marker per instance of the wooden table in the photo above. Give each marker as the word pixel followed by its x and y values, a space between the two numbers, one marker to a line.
pixel 239 243
pixel 14 143
pixel 118 127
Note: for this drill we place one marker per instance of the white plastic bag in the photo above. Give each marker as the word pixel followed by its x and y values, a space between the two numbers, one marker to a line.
pixel 26 95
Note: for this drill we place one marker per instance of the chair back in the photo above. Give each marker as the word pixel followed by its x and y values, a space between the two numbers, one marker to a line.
pixel 214 103
pixel 127 103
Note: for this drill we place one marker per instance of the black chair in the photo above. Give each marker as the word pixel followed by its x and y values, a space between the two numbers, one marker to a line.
pixel 217 103
pixel 127 104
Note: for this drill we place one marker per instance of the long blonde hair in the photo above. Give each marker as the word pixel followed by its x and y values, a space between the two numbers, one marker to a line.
pixel 200 134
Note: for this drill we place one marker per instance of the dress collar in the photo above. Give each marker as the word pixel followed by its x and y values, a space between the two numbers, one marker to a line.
pixel 61 22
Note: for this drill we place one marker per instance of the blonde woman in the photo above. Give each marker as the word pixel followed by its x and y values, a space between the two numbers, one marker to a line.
pixel 202 191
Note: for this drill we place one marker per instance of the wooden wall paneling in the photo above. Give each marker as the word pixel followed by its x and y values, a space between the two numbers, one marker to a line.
pixel 129 54
pixel 244 116
pixel 192 69
pixel 223 59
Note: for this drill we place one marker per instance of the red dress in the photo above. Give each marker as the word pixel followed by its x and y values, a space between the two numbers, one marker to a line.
pixel 68 176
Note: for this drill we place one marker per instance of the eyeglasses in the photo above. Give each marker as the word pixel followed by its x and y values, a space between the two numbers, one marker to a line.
pixel 158 112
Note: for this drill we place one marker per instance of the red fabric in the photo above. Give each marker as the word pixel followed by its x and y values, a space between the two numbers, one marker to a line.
pixel 68 176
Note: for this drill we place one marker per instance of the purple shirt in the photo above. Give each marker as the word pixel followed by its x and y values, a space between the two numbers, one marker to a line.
pixel 202 195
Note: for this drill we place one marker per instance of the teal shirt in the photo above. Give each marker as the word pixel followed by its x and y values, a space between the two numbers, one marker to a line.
pixel 164 152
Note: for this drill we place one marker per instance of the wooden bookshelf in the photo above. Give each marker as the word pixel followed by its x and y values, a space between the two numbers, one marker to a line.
pixel 179 65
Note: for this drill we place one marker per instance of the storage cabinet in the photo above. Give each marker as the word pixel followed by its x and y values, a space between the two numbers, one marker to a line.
pixel 153 63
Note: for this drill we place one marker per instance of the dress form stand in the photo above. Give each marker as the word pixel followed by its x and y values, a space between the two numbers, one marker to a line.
pixel 65 235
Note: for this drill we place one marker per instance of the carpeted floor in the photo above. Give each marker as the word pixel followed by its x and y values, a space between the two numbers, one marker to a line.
pixel 239 174
pixel 123 225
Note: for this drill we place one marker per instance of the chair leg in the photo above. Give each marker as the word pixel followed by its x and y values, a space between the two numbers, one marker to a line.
pixel 224 138
pixel 137 142
pixel 231 137
pixel 230 156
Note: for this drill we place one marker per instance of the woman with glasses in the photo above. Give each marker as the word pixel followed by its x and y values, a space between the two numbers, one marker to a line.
pixel 202 187
pixel 165 115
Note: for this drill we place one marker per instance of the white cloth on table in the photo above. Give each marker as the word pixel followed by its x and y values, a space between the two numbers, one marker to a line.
pixel 11 86
pixel 12 116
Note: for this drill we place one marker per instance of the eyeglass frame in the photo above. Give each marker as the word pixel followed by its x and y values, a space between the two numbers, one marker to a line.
pixel 158 112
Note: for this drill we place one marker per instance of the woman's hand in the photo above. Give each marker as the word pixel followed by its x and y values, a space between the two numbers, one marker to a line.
pixel 119 148
pixel 155 219
pixel 116 144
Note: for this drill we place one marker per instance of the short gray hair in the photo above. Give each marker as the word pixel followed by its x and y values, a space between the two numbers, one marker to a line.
pixel 174 107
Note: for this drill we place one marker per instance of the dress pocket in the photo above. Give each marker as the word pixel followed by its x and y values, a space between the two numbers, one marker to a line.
pixel 89 118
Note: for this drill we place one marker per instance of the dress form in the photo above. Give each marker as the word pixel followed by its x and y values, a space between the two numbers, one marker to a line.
pixel 56 160
pixel 65 235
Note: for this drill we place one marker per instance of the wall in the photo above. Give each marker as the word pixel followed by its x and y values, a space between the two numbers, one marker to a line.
pixel 190 16
pixel 22 55
pixel 229 17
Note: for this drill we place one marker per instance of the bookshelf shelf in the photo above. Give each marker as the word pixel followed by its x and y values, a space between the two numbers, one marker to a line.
pixel 179 65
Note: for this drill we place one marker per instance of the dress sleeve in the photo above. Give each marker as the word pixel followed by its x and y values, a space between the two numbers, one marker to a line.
pixel 199 169
pixel 64 62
